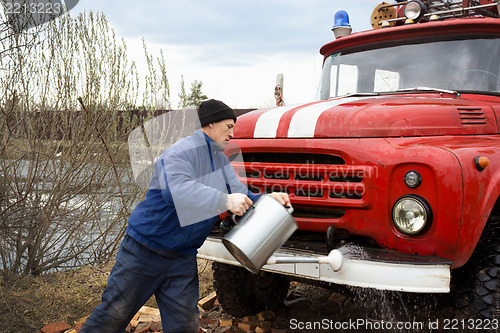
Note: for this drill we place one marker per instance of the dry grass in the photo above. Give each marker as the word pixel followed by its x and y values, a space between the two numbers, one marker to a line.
pixel 28 303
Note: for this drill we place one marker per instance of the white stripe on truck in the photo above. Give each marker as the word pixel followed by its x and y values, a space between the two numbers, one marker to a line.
pixel 267 123
pixel 303 123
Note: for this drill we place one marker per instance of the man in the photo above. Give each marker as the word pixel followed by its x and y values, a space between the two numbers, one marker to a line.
pixel 193 182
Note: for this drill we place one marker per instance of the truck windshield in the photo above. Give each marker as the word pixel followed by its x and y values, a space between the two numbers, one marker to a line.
pixel 463 65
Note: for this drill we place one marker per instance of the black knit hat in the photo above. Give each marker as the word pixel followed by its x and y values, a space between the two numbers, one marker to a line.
pixel 212 111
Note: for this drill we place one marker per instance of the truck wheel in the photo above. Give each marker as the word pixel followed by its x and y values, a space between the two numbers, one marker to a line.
pixel 477 282
pixel 242 293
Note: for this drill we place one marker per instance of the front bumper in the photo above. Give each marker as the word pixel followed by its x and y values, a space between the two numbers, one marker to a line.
pixel 369 268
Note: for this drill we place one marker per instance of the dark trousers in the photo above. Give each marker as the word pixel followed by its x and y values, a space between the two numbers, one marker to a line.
pixel 139 273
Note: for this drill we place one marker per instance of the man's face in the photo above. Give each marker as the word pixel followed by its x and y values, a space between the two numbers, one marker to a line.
pixel 221 132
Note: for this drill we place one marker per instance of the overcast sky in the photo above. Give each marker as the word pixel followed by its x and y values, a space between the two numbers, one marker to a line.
pixel 235 47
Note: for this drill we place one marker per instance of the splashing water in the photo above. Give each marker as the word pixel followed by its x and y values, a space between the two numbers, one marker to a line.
pixel 353 251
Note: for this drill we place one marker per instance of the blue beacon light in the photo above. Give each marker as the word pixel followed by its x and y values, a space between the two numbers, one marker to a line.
pixel 341 27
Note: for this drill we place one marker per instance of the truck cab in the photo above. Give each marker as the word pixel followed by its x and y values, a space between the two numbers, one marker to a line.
pixel 397 158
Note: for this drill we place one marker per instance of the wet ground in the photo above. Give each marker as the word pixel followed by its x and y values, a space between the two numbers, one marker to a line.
pixel 317 309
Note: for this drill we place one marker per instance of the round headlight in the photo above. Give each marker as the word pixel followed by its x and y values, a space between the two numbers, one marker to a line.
pixel 413 179
pixel 414 10
pixel 411 214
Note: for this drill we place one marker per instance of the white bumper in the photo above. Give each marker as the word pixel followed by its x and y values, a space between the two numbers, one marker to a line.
pixel 379 269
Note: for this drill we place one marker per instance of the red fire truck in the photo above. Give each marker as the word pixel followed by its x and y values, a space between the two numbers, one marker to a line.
pixel 397 158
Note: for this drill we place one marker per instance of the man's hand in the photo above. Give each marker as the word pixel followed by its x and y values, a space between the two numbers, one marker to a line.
pixel 281 197
pixel 238 203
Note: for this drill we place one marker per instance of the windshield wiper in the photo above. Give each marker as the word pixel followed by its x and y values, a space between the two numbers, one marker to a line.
pixel 360 94
pixel 403 91
pixel 419 89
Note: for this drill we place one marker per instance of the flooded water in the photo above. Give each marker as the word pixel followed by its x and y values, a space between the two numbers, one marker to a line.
pixel 61 219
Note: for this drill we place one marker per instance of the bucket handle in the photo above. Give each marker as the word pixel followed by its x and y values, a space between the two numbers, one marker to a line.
pixel 250 210
pixel 248 213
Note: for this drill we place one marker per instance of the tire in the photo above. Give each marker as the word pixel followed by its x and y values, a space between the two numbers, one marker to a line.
pixel 242 293
pixel 477 282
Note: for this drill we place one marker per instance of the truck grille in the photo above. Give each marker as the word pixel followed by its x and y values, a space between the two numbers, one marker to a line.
pixel 319 185
pixel 299 158
pixel 472 116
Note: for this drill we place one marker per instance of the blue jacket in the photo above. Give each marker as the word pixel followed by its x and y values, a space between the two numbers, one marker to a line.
pixel 186 194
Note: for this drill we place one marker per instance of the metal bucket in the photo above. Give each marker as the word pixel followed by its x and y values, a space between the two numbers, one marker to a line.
pixel 263 229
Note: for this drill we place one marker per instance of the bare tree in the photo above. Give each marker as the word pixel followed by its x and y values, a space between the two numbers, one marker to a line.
pixel 66 185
